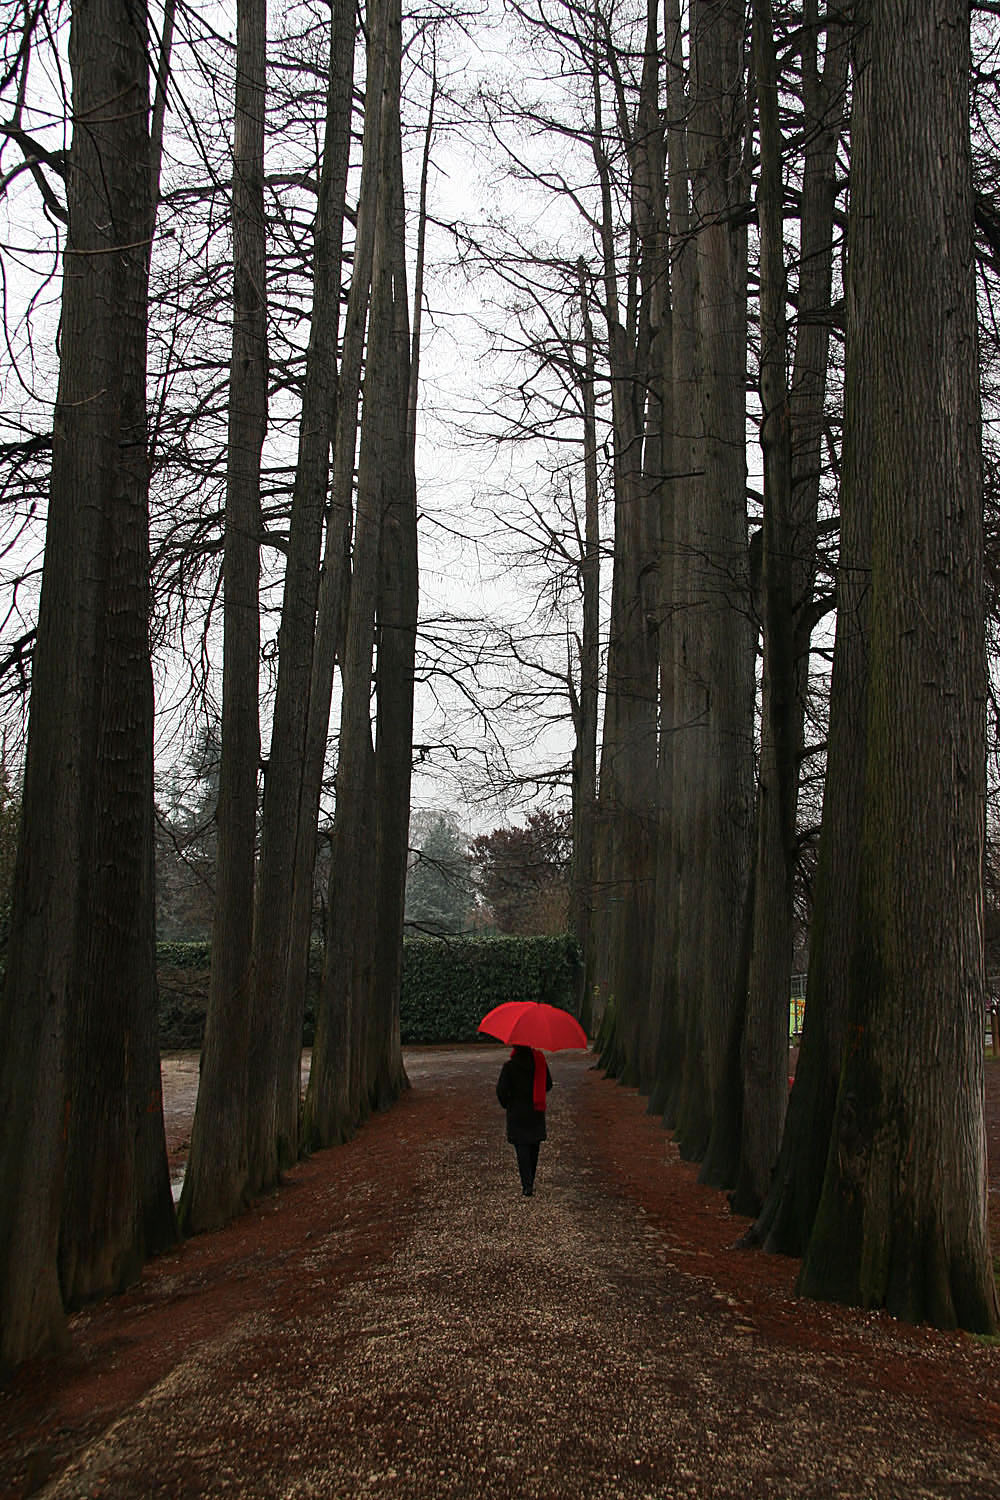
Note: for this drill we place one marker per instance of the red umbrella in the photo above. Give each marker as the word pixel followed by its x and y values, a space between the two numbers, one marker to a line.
pixel 530 1023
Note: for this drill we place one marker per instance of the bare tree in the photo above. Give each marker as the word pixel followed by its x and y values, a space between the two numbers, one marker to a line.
pixel 350 1070
pixel 278 1006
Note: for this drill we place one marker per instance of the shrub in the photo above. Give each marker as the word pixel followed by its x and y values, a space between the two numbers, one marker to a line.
pixel 184 955
pixel 449 985
pixel 182 975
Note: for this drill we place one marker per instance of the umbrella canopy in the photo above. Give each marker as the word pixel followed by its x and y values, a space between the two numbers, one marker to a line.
pixel 531 1023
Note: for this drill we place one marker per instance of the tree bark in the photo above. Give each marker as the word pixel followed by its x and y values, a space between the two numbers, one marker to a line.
pixel 902 1218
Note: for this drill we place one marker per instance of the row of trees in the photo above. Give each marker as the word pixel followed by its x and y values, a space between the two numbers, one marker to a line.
pixel 735 213
pixel 83 1178
pixel 694 178
pixel 879 1182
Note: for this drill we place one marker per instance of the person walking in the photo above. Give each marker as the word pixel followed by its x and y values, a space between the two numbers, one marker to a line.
pixel 521 1088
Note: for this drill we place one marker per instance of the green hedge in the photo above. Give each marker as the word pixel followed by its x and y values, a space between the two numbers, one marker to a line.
pixel 448 985
pixel 182 975
pixel 184 955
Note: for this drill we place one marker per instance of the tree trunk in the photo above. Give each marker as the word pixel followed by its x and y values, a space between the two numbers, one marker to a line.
pixel 216 1185
pixel 902 1218
pixel 724 637
pixel 334 590
pixel 337 1100
pixel 764 1045
pixel 80 965
pixel 396 613
pixel 786 1218
pixel 586 713
pixel 673 1007
pixel 628 750
pixel 278 1010
pixel 653 344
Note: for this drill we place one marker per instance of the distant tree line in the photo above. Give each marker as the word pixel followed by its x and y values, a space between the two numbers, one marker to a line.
pixel 514 880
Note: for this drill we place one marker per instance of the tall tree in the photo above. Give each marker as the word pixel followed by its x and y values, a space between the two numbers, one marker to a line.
pixel 278 1007
pixel 627 803
pixel 902 1218
pixel 764 1043
pixel 216 1183
pixel 327 1107
pixel 396 607
pixel 676 1015
pixel 350 1071
pixel 585 703
pixel 793 1186
pixel 721 649
pixel 79 1000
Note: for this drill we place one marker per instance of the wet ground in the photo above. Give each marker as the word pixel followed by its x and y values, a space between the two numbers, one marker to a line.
pixel 398 1321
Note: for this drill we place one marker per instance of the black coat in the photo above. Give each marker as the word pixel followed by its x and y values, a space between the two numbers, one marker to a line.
pixel 515 1087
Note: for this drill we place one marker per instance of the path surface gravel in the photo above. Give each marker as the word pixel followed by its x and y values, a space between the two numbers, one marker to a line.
pixel 400 1322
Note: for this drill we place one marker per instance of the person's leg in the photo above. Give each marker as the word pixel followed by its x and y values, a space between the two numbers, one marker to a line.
pixel 526 1167
pixel 534 1149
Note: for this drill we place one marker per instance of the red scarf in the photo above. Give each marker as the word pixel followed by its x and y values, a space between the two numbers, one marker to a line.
pixel 541 1078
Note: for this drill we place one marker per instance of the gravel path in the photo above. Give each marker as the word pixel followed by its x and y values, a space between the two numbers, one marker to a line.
pixel 488 1345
